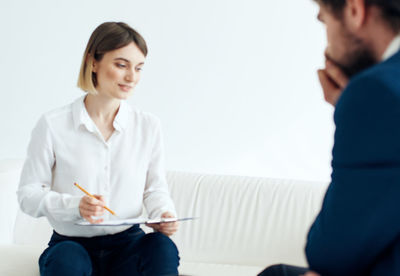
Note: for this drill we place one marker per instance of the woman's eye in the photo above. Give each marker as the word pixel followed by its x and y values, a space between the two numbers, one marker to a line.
pixel 139 69
pixel 121 65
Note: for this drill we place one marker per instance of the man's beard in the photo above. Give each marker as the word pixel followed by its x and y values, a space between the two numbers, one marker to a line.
pixel 358 57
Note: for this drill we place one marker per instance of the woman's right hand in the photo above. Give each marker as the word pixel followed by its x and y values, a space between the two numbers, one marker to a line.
pixel 90 206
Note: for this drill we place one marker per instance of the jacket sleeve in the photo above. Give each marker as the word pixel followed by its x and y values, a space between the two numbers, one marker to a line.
pixel 360 214
pixel 34 192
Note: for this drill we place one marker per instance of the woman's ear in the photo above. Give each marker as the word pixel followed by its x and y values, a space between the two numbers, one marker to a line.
pixel 92 62
pixel 94 66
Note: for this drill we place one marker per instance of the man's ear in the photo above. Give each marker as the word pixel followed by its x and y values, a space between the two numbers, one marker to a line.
pixel 355 14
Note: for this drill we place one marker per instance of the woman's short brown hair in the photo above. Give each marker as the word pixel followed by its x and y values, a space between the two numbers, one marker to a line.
pixel 106 37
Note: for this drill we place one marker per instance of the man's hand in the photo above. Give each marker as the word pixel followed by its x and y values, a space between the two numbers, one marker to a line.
pixel 167 228
pixel 90 206
pixel 333 81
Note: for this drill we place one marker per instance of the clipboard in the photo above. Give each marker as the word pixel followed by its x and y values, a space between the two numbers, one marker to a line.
pixel 133 221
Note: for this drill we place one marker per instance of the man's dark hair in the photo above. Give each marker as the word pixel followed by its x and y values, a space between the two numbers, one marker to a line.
pixel 390 10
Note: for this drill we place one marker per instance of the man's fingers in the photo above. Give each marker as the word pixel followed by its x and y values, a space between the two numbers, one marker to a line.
pixel 336 74
pixel 326 83
pixel 331 90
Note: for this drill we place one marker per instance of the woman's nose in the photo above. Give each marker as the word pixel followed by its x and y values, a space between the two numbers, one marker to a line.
pixel 130 76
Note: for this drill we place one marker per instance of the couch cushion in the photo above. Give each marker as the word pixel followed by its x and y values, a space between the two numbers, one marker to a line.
pixel 244 220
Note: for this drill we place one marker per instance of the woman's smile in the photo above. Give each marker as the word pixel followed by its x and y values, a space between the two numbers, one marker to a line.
pixel 125 87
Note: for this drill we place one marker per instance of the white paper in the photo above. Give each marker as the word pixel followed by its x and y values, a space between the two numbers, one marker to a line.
pixel 132 221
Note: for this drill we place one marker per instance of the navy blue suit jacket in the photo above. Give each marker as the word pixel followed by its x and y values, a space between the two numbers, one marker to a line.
pixel 357 231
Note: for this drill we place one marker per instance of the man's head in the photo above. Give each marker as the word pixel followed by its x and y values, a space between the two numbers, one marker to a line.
pixel 390 10
pixel 358 31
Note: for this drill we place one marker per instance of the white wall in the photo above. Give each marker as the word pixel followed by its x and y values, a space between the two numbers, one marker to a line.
pixel 233 81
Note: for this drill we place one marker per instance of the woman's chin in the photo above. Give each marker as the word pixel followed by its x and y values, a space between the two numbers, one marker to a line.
pixel 124 95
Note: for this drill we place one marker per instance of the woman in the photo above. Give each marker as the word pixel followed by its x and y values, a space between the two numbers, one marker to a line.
pixel 111 150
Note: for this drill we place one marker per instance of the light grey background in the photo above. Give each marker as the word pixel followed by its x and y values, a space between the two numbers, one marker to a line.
pixel 234 82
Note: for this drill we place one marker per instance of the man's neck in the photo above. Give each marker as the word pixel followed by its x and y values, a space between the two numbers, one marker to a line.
pixel 380 44
pixel 377 33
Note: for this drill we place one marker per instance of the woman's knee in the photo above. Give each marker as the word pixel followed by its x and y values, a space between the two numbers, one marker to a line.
pixel 160 242
pixel 65 257
pixel 158 246
pixel 159 255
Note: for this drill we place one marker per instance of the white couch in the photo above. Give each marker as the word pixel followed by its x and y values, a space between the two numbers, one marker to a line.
pixel 245 223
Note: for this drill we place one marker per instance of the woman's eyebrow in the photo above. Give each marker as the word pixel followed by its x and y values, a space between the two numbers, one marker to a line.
pixel 124 59
pixel 128 61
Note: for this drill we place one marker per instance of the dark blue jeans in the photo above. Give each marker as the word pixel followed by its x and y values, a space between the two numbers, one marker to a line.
pixel 131 252
pixel 283 270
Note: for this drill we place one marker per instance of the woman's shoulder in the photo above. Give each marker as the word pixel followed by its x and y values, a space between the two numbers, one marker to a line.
pixel 144 116
pixel 59 114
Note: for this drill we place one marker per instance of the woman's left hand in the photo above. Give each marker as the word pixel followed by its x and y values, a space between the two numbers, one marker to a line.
pixel 167 228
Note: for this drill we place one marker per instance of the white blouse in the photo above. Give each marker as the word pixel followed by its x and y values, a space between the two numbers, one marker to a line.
pixel 66 147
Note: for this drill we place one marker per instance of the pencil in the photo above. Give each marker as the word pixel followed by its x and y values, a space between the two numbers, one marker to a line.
pixel 89 194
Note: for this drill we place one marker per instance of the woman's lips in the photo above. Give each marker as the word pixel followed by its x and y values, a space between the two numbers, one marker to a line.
pixel 125 88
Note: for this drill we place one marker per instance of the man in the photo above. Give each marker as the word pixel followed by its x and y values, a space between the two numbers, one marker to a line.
pixel 357 231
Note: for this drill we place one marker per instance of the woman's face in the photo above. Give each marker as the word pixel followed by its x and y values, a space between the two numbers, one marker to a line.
pixel 118 71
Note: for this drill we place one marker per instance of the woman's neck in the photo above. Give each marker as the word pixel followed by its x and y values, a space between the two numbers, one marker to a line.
pixel 101 109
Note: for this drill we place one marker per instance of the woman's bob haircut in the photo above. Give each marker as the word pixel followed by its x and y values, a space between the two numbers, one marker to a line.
pixel 106 37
